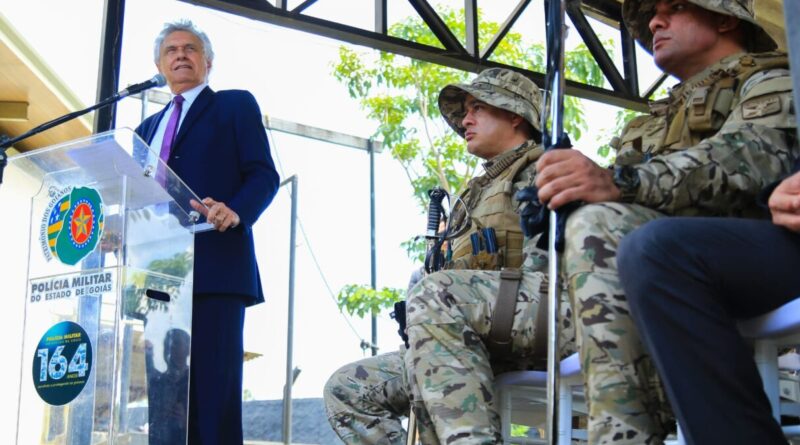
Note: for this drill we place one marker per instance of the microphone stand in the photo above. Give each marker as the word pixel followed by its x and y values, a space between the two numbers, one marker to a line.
pixel 58 121
pixel 5 142
pixel 3 155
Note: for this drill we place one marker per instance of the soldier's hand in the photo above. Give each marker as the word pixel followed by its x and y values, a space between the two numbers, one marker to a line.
pixel 566 175
pixel 218 214
pixel 784 203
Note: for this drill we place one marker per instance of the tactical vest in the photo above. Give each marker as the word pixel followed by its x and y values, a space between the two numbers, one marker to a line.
pixel 694 110
pixel 488 203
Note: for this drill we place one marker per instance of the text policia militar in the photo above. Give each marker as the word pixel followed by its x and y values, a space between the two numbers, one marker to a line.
pixel 79 285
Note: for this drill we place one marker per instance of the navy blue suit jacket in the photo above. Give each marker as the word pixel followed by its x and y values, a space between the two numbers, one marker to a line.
pixel 221 151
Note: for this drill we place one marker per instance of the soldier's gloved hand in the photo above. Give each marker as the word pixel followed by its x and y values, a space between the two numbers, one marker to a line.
pixel 535 217
pixel 399 315
pixel 532 215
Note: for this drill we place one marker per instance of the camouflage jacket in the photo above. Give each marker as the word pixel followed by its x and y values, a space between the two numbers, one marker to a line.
pixel 489 202
pixel 716 140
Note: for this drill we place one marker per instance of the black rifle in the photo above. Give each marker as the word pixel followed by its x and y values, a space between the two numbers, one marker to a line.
pixel 434 259
pixel 399 315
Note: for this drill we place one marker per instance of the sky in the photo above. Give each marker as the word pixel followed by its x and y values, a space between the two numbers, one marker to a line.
pixel 289 74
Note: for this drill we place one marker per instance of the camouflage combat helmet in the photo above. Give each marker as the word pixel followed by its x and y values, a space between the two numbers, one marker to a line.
pixel 638 13
pixel 501 88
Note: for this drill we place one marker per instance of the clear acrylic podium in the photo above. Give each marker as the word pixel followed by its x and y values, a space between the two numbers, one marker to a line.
pixel 107 328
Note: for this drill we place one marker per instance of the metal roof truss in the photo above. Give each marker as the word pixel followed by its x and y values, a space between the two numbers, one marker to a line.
pixel 468 56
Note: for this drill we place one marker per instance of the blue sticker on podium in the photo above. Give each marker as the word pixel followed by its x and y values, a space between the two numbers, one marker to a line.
pixel 62 363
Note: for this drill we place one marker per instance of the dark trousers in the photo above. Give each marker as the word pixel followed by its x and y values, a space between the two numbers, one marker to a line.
pixel 688 281
pixel 215 386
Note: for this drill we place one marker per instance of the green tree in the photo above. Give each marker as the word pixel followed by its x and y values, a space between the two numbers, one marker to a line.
pixel 606 151
pixel 177 265
pixel 168 275
pixel 363 300
pixel 624 115
pixel 401 94
pixel 519 430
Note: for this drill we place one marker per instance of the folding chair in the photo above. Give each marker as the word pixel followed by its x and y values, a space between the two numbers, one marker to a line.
pixel 522 394
pixel 769 332
pixel 522 400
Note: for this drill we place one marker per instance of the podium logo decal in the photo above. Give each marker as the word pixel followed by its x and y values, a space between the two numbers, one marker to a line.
pixel 62 363
pixel 73 225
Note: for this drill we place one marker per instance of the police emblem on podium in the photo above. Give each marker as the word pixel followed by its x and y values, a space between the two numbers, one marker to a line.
pixel 74 224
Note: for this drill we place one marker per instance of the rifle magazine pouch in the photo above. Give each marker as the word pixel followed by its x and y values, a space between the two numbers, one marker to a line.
pixel 709 106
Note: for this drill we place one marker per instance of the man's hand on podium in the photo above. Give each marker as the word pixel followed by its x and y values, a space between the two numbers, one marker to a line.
pixel 217 213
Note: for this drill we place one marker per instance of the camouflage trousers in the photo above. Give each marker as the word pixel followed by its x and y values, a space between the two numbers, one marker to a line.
pixel 627 403
pixel 366 400
pixel 449 315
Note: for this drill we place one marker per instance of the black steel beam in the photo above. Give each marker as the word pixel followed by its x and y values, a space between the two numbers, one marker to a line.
pixel 504 28
pixel 110 55
pixel 629 60
pixel 302 6
pixel 654 86
pixel 266 13
pixel 607 11
pixel 437 25
pixel 281 4
pixel 471 25
pixel 381 17
pixel 596 47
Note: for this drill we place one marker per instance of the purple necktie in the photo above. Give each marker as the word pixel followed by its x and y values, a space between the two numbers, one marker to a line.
pixel 169 136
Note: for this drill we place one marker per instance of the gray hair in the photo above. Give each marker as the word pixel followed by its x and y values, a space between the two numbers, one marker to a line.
pixel 183 25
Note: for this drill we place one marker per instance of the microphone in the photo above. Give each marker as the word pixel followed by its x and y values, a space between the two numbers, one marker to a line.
pixel 157 81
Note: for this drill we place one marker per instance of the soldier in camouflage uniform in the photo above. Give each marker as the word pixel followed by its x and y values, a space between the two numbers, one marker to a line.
pixel 723 133
pixel 498 115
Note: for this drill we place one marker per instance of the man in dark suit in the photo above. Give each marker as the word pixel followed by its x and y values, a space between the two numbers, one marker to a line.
pixel 216 143
pixel 689 282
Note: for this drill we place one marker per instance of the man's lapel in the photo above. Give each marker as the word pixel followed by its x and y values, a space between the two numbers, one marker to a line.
pixel 147 131
pixel 195 111
pixel 151 129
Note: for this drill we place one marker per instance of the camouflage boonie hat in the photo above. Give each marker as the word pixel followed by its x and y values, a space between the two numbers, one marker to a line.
pixel 498 87
pixel 638 13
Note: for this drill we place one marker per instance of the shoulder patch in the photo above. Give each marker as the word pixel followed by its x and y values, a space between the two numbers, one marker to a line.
pixel 767 81
pixel 761 106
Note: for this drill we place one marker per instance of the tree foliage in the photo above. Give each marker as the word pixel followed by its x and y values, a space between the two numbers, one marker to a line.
pixel 177 265
pixel 363 301
pixel 519 430
pixel 169 274
pixel 622 118
pixel 401 94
